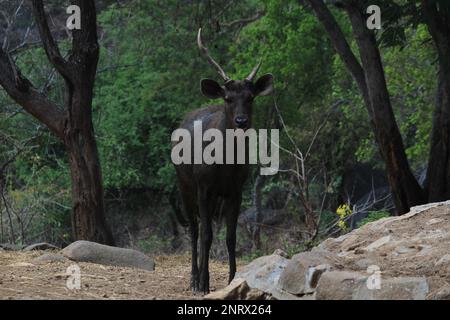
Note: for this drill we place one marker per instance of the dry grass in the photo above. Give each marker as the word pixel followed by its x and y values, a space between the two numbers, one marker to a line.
pixel 20 278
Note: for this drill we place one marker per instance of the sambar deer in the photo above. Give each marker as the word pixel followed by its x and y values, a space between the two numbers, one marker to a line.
pixel 209 191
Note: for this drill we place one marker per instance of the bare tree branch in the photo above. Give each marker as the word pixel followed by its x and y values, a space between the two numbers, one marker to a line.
pixel 50 46
pixel 25 46
pixel 23 92
pixel 341 45
pixel 244 21
pixel 10 24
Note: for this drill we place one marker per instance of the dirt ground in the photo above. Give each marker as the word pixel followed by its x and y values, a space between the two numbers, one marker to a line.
pixel 22 279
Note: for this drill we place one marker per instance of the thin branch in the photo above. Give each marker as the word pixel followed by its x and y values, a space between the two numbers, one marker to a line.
pixel 10 23
pixel 342 47
pixel 25 46
pixel 50 46
pixel 334 106
pixel 244 21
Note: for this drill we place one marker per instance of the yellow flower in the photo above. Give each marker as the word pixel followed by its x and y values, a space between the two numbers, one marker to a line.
pixel 343 211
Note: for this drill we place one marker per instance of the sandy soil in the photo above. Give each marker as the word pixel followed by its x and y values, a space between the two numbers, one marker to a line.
pixel 21 279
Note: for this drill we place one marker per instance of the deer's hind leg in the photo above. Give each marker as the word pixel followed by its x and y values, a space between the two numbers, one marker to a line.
pixel 206 204
pixel 191 209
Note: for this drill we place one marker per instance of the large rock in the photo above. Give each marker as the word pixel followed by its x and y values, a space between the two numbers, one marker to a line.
pixel 378 243
pixel 339 285
pixel 443 293
pixel 264 273
pixel 402 288
pixel 303 271
pixel 238 289
pixel 405 257
pixel 85 251
pixel 346 285
pixel 257 280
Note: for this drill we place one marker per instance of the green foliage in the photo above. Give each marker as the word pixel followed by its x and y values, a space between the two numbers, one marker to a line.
pixel 327 219
pixel 154 244
pixel 36 203
pixel 373 216
pixel 254 254
pixel 289 41
pixel 150 79
pixel 409 73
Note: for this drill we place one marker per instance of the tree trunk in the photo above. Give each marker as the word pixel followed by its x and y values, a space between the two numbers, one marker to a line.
pixel 406 191
pixel 88 217
pixel 88 220
pixel 437 182
pixel 73 125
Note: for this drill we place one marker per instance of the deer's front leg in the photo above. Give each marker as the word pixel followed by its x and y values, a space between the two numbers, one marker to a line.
pixel 232 207
pixel 205 205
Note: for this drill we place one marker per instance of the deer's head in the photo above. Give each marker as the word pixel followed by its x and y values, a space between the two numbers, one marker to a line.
pixel 238 95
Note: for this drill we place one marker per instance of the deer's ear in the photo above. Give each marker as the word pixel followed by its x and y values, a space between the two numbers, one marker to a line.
pixel 211 89
pixel 264 85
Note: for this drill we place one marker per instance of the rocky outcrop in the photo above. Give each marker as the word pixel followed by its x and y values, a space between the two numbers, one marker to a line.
pixel 346 285
pixel 405 257
pixel 264 274
pixel 301 275
pixel 238 289
pixel 85 251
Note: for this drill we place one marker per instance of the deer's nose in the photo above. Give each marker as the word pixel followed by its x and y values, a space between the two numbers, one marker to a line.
pixel 241 122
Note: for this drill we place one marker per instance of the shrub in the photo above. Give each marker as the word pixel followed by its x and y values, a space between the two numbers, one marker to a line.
pixel 373 216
